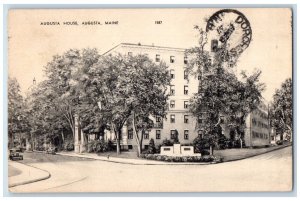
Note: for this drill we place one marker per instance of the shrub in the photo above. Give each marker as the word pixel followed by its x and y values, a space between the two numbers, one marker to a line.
pixel 151 148
pixel 223 142
pixel 200 145
pixel 205 152
pixel 158 157
pixel 237 143
pixel 68 145
pixel 165 142
pixel 101 146
pixel 110 145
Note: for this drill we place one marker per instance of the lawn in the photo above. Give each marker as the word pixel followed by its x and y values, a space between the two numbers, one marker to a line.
pixel 236 154
pixel 124 154
pixel 227 154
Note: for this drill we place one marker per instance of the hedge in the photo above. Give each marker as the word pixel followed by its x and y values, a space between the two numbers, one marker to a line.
pixel 182 158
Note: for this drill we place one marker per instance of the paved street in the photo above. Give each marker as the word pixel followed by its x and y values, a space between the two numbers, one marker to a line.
pixel 267 172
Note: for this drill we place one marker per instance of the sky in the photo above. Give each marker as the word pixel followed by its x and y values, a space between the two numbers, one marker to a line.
pixel 32 45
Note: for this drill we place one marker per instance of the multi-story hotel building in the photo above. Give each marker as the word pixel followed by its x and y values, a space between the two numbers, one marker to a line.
pixel 178 118
pixel 181 90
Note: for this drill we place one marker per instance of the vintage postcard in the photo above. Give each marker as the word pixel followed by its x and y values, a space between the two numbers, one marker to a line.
pixel 150 100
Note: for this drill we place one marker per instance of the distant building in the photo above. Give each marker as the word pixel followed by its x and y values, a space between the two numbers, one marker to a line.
pixel 258 132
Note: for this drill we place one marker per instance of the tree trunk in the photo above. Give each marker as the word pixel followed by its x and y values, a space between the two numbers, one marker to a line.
pixel 141 141
pixel 135 133
pixel 73 131
pixel 62 137
pixel 241 141
pixel 118 142
pixel 211 150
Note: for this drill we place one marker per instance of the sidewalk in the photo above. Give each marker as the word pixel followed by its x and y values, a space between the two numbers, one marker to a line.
pixel 28 174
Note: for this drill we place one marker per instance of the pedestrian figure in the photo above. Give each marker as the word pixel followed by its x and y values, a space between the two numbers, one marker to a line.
pixel 107 156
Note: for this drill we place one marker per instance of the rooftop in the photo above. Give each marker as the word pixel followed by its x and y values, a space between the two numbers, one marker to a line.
pixel 145 46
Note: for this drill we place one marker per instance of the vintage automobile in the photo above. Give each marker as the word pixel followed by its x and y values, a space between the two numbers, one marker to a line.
pixel 15 154
pixel 51 150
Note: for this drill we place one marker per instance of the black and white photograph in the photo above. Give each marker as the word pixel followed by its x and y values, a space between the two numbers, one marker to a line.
pixel 150 100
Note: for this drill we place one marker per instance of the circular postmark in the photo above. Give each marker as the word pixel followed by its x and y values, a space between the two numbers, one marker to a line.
pixel 230 27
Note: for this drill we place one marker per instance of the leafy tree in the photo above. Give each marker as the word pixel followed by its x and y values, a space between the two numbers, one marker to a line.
pixel 59 73
pixel 16 113
pixel 130 87
pixel 87 88
pixel 52 102
pixel 46 119
pixel 147 85
pixel 220 93
pixel 281 110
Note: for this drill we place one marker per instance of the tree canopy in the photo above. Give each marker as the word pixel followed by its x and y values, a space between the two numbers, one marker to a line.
pixel 221 94
pixel 281 110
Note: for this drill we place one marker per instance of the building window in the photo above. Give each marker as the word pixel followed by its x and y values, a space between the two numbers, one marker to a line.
pixel 158 119
pixel 172 104
pixel 186 75
pixel 172 117
pixel 201 118
pixel 172 73
pixel 172 90
pixel 186 89
pixel 146 135
pixel 186 104
pixel 129 146
pixel 200 134
pixel 173 133
pixel 157 58
pixel 214 45
pixel 185 60
pixel 158 134
pixel 130 134
pixel 186 119
pixel 172 59
pixel 129 53
pixel 186 134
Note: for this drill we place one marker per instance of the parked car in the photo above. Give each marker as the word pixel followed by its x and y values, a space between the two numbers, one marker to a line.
pixel 15 154
pixel 279 142
pixel 51 150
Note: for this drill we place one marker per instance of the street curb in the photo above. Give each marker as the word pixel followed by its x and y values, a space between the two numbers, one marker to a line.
pixel 32 180
pixel 232 160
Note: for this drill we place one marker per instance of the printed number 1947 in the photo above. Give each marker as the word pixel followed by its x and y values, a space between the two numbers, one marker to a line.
pixel 158 22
